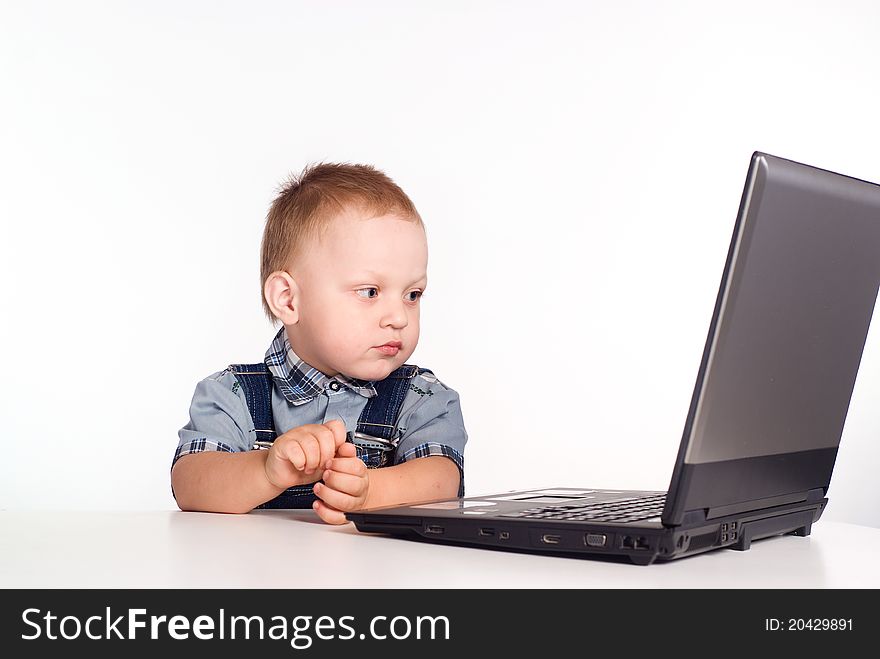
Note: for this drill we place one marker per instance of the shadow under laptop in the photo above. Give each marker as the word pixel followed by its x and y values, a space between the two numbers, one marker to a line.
pixel 774 562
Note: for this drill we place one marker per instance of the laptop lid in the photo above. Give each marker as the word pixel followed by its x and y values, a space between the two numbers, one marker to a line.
pixel 784 345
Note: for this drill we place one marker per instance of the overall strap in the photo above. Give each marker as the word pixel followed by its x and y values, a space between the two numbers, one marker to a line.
pixel 381 413
pixel 256 383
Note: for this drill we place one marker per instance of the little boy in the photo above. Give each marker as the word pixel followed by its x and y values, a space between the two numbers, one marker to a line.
pixel 334 419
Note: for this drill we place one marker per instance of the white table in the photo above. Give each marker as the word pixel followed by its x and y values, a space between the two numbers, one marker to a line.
pixel 293 549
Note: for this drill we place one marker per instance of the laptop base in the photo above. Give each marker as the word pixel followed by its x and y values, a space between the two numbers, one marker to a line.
pixel 639 543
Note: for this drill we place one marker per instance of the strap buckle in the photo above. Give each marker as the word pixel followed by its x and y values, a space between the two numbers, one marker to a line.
pixel 357 438
pixel 369 441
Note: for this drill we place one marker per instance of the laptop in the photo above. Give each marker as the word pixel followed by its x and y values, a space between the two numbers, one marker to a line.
pixel 768 408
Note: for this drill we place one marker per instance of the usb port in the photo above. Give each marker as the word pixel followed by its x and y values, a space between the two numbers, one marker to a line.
pixel 434 529
pixel 487 532
pixel 550 539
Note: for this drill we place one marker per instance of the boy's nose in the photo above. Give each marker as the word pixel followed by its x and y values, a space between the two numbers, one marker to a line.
pixel 395 316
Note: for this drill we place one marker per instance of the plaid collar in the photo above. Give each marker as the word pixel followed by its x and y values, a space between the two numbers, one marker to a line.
pixel 298 381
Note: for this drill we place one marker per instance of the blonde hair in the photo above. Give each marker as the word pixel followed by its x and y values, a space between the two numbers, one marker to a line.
pixel 306 205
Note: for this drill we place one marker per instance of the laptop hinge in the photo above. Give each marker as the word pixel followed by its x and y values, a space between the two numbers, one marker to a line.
pixel 692 517
pixel 811 496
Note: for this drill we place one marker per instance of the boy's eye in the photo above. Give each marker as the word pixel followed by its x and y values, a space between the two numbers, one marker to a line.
pixel 372 292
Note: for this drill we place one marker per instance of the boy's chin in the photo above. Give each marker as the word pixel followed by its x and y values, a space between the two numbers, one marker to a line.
pixel 377 371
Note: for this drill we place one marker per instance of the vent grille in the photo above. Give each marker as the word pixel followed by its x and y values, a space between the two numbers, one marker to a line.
pixel 702 541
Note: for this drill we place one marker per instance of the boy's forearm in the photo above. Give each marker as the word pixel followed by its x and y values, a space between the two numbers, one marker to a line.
pixel 421 479
pixel 215 481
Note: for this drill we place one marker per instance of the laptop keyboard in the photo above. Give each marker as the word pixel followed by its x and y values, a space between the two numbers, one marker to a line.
pixel 636 509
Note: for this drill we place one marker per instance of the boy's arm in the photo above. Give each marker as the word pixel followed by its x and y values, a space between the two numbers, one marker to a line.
pixel 222 482
pixel 237 482
pixel 422 479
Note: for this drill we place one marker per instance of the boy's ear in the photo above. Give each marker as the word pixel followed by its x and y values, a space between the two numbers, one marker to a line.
pixel 282 295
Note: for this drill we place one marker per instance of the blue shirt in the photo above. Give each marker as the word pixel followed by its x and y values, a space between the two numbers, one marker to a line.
pixel 430 421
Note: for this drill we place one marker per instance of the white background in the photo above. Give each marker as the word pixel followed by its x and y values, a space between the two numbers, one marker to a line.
pixel 578 165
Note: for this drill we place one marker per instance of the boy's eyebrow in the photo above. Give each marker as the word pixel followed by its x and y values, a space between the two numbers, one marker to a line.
pixel 378 276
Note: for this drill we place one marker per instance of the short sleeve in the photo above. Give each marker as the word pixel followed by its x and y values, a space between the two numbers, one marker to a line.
pixel 434 426
pixel 218 418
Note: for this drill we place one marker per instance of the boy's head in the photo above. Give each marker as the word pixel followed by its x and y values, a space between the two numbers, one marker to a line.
pixel 344 262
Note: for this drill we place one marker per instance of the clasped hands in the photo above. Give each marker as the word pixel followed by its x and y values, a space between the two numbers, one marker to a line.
pixel 314 452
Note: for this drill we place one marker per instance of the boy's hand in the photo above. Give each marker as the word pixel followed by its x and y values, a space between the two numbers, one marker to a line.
pixel 298 456
pixel 345 487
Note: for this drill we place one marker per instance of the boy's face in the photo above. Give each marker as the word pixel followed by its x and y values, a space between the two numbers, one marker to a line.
pixel 355 289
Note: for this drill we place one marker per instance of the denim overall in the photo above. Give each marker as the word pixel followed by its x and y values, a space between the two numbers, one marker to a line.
pixel 378 419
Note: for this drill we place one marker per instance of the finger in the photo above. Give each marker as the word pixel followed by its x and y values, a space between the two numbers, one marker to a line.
pixel 327 442
pixel 328 514
pixel 353 465
pixel 312 450
pixel 356 486
pixel 336 499
pixel 345 450
pixel 337 426
pixel 292 452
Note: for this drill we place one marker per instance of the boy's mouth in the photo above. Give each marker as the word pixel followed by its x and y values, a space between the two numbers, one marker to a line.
pixel 391 348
